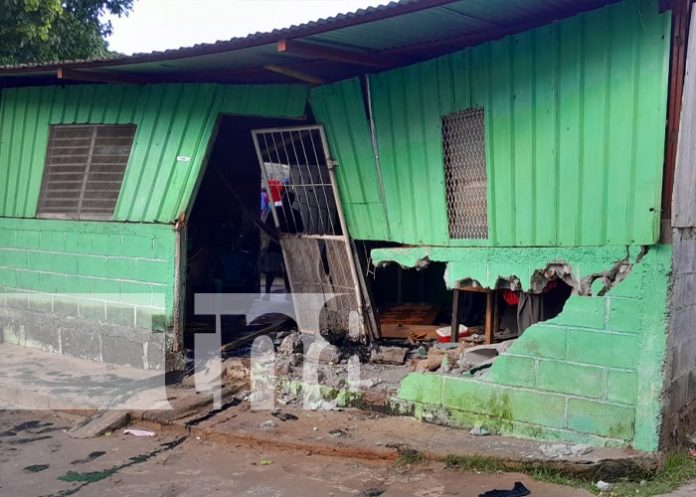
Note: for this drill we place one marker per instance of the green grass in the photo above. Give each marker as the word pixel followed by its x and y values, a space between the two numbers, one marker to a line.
pixel 408 457
pixel 679 469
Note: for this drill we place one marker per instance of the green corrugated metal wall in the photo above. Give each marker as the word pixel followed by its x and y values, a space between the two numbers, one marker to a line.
pixel 575 119
pixel 173 120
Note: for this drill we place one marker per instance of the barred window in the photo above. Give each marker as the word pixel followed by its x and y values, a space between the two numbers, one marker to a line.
pixel 464 147
pixel 84 170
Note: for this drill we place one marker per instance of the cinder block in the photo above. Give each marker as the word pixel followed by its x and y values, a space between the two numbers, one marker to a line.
pixel 537 408
pixel 622 386
pixel 603 349
pixel 52 283
pixel 542 340
pixel 601 419
pixel 422 388
pixel 28 239
pixel 122 315
pixel 28 280
pixel 81 340
pixel 8 277
pixel 585 312
pixel 136 293
pixel 122 268
pixel 154 271
pixel 137 246
pixel 105 244
pixel 563 377
pixel 88 265
pixel 16 258
pixel 77 243
pixel 52 240
pixel 93 310
pixel 513 370
pixel 625 315
pixel 66 306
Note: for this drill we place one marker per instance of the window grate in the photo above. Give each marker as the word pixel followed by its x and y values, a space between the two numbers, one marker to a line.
pixel 464 150
pixel 85 165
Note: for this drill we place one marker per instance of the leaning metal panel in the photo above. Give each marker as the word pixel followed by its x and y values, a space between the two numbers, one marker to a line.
pixel 317 253
pixel 464 148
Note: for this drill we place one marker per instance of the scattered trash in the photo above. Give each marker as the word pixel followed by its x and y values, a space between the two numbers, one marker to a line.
pixel 315 428
pixel 138 433
pixel 388 355
pixel 604 486
pixel 372 492
pixel 519 490
pixel 35 468
pixel 265 462
pixel 284 416
pixel 692 452
pixel 479 431
pixel 268 425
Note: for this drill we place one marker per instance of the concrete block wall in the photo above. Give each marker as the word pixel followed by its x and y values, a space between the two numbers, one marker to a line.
pixel 116 274
pixel 593 374
pixel 680 382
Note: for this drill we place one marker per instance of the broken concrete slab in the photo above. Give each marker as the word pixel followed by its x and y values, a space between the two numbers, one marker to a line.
pixel 323 352
pixel 482 355
pixel 99 423
pixel 291 344
pixel 388 355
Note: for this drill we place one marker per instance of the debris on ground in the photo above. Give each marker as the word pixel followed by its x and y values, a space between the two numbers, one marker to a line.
pixel 265 462
pixel 323 352
pixel 99 424
pixel 236 369
pixel 556 451
pixel 604 486
pixel 267 425
pixel 388 355
pixel 519 490
pixel 291 344
pixel 479 431
pixel 138 433
pixel 372 492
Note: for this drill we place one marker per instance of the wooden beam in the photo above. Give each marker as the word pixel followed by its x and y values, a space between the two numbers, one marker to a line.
pixel 100 77
pixel 311 50
pixel 294 74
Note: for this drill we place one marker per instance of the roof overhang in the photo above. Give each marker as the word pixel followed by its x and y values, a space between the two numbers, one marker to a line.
pixel 366 41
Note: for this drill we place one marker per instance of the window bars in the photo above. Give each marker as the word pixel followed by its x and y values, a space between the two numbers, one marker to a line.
pixel 84 169
pixel 464 151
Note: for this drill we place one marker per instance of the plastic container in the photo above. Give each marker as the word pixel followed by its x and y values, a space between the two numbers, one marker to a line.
pixel 444 334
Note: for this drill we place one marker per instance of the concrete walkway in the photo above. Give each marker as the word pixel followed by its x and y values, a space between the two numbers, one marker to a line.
pixel 38 380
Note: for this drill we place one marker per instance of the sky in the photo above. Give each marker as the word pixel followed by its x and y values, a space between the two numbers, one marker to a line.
pixel 163 24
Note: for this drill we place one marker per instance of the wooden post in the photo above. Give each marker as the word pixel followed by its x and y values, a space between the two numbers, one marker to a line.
pixel 489 318
pixel 455 316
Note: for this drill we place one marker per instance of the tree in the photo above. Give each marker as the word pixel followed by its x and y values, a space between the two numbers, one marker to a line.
pixel 33 31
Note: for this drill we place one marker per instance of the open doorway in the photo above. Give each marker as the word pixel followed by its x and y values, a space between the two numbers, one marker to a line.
pixel 225 237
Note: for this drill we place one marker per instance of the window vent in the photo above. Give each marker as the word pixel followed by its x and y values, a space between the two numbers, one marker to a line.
pixel 84 170
pixel 464 150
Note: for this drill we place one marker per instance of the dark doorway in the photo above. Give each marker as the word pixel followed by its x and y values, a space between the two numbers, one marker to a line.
pixel 224 240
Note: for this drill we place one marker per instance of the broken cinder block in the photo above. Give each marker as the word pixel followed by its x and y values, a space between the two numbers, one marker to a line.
pixel 388 355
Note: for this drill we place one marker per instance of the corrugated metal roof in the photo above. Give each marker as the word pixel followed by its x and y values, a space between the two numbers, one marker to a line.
pixel 399 32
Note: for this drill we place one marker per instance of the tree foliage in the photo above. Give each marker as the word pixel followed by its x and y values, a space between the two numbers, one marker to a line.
pixel 34 31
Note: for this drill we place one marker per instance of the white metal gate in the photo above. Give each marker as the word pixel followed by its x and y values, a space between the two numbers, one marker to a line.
pixel 316 248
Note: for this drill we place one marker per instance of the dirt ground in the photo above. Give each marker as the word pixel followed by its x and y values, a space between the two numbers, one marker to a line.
pixel 38 458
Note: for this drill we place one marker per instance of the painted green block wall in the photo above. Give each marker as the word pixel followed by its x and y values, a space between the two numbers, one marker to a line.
pixel 594 374
pixel 108 272
pixel 574 117
pixel 172 120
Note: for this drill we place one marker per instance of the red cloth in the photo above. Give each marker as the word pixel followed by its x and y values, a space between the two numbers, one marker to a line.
pixel 275 188
pixel 510 297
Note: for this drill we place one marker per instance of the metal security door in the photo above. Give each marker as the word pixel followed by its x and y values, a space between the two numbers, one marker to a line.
pixel 299 175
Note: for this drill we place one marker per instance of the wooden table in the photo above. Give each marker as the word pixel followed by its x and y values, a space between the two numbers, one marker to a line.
pixel 491 324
